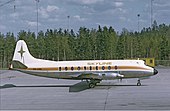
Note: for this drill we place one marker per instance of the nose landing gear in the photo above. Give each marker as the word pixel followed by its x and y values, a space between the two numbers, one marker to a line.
pixel 139 83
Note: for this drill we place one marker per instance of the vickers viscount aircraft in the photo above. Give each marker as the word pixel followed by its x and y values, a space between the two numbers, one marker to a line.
pixel 93 71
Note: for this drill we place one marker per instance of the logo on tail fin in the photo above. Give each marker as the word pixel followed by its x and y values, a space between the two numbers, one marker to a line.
pixel 21 51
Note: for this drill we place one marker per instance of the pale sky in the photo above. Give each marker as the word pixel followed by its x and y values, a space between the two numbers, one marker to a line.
pixel 53 14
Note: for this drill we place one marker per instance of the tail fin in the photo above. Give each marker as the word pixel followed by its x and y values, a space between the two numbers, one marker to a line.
pixel 22 56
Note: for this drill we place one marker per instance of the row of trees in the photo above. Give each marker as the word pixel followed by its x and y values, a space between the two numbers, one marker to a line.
pixel 90 44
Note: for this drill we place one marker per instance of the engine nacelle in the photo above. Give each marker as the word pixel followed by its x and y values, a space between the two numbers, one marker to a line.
pixel 111 76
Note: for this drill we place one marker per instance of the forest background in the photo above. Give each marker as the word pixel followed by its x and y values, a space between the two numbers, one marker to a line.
pixel 103 43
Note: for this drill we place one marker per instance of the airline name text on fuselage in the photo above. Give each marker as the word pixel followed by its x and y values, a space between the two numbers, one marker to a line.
pixel 99 63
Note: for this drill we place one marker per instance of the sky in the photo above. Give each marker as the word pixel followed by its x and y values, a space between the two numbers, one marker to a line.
pixel 17 15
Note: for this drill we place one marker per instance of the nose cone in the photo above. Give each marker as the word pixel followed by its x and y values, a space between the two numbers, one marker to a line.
pixel 155 72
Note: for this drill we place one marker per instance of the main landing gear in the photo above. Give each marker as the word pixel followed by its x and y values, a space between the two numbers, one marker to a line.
pixel 139 83
pixel 93 82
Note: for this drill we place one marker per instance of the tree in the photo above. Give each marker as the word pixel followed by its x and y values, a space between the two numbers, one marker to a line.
pixel 120 48
pixel 164 52
pixel 90 44
pixel 9 45
pixel 2 50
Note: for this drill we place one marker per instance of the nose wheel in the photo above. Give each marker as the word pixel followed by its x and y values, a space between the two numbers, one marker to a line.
pixel 139 83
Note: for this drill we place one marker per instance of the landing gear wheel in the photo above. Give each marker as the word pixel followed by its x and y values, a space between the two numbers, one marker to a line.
pixel 93 82
pixel 91 85
pixel 139 83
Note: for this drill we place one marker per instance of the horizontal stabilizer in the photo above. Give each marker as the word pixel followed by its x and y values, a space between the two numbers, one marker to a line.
pixel 18 65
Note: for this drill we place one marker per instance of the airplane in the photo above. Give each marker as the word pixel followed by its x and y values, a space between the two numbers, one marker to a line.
pixel 93 71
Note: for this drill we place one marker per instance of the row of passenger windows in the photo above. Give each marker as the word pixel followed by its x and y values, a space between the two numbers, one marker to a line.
pixel 87 68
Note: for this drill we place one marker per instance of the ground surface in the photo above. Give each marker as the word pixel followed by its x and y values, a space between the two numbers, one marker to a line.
pixel 20 91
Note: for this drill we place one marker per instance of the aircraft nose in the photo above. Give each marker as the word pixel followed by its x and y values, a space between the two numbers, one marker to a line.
pixel 155 72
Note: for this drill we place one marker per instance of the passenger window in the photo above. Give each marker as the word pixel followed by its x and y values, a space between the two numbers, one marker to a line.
pixel 103 68
pixel 109 67
pixel 90 67
pixel 59 68
pixel 115 67
pixel 97 68
pixel 72 68
pixel 85 68
pixel 78 68
pixel 66 68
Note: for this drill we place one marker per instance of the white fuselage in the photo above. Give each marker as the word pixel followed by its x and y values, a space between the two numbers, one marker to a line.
pixel 105 69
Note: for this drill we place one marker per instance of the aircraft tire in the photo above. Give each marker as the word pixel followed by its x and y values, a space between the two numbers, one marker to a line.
pixel 91 85
pixel 138 84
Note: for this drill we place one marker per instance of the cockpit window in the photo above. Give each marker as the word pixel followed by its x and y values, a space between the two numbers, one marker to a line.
pixel 144 62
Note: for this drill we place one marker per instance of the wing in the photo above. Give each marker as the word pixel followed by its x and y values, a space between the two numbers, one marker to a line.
pixel 99 76
pixel 90 76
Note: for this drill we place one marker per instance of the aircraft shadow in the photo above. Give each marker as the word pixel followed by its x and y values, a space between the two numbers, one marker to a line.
pixel 81 86
pixel 12 85
pixel 120 85
pixel 72 88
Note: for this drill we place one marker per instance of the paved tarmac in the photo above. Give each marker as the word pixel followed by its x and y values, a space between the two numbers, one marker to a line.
pixel 20 91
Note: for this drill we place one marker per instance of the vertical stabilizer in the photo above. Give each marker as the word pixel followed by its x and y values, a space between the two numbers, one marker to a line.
pixel 22 54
